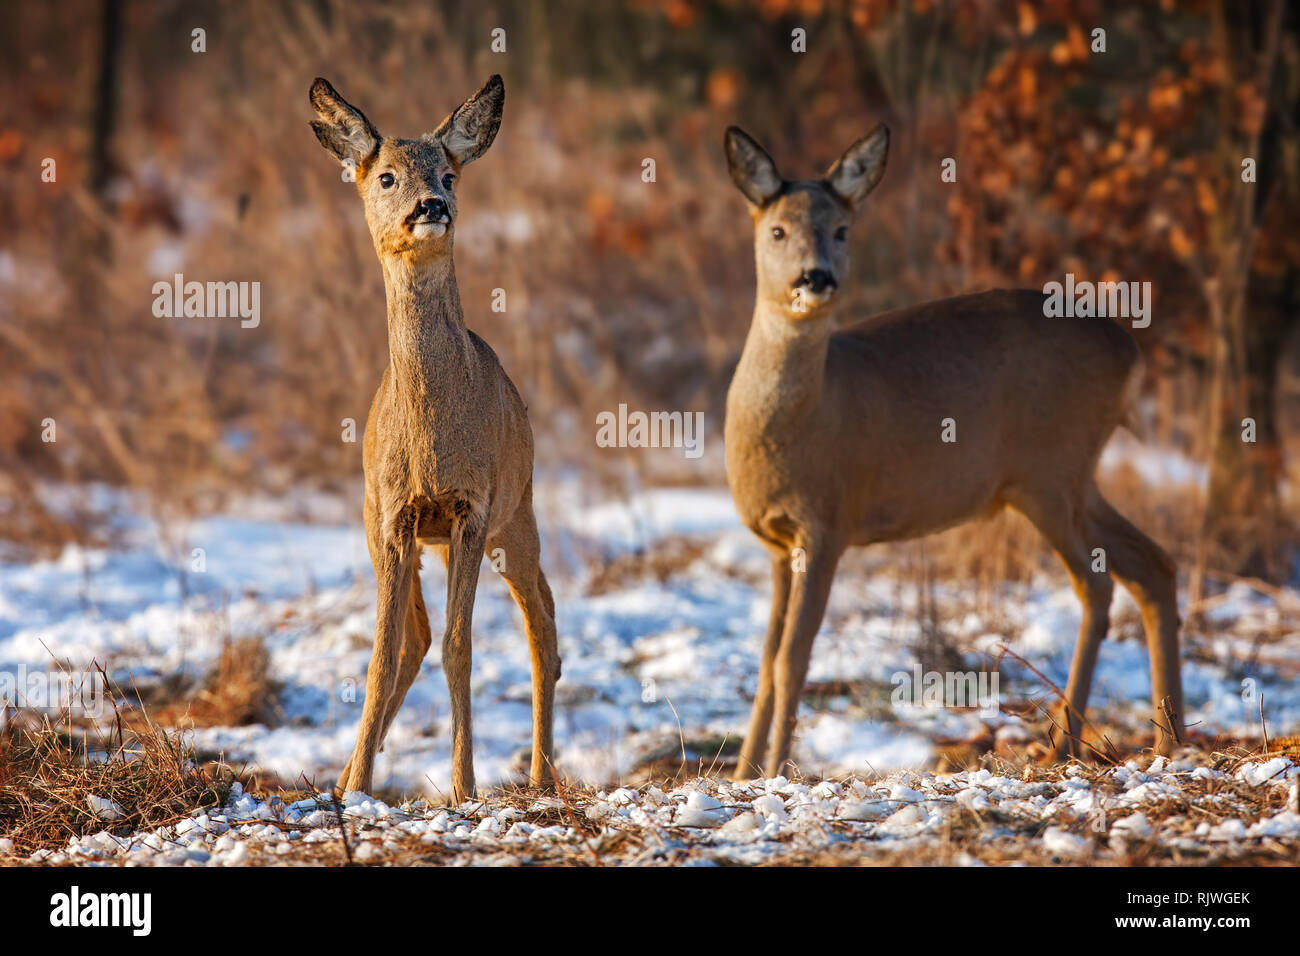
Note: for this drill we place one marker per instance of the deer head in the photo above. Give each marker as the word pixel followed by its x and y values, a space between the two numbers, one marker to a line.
pixel 408 186
pixel 801 227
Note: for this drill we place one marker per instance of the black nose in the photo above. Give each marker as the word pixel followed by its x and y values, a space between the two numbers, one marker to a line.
pixel 818 280
pixel 434 207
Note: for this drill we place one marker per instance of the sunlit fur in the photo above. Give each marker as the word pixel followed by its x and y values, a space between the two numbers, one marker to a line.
pixel 834 438
pixel 448 449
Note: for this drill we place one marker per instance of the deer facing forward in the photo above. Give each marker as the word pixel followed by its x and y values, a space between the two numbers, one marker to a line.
pixel 448 450
pixel 834 438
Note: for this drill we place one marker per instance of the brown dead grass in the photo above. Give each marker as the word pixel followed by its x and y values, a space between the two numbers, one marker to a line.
pixel 48 776
pixel 238 692
pixel 662 561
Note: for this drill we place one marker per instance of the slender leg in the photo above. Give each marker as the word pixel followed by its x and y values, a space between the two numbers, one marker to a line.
pixel 1061 520
pixel 418 642
pixel 465 554
pixel 809 591
pixel 1151 577
pixel 544 645
pixel 760 720
pixel 393 552
pixel 414 647
pixel 528 586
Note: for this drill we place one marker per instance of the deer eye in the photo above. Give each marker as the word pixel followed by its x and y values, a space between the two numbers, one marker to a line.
pixel 841 233
pixel 447 180
pixel 386 180
pixel 778 233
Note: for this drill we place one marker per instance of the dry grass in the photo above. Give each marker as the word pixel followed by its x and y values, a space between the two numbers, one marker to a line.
pixel 47 777
pixel 239 691
pixel 668 557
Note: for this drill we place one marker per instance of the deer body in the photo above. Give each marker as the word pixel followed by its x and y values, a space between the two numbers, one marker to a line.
pixel 448 450
pixel 836 438
pixel 868 402
pixel 450 413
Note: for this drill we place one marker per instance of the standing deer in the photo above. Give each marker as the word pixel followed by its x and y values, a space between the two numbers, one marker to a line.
pixel 448 448
pixel 833 438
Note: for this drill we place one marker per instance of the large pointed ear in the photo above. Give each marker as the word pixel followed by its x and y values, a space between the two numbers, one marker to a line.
pixel 342 128
pixel 858 171
pixel 752 170
pixel 472 126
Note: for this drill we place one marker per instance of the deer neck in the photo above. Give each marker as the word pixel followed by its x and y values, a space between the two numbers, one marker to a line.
pixel 428 344
pixel 782 370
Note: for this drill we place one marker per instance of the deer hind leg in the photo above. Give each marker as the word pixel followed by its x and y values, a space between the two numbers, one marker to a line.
pixel 1062 520
pixel 1149 574
pixel 760 720
pixel 464 555
pixel 393 551
pixel 523 573
pixel 415 645
pixel 809 591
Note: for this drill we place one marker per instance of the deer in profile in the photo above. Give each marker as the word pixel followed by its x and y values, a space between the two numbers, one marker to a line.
pixel 448 450
pixel 834 438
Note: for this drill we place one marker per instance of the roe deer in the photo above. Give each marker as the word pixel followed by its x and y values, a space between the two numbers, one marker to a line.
pixel 833 437
pixel 448 450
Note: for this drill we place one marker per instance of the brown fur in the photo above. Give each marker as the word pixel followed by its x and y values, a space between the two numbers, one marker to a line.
pixel 834 439
pixel 448 449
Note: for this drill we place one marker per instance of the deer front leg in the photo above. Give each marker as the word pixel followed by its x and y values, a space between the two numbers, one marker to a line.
pixel 464 555
pixel 415 646
pixel 393 554
pixel 760 720
pixel 808 593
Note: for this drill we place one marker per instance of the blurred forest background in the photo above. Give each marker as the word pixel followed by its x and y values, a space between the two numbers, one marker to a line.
pixel 1122 165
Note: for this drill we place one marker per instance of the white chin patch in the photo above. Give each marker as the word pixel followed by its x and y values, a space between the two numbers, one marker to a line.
pixel 429 230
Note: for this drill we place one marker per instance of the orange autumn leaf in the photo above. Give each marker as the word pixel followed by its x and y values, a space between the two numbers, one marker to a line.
pixel 1077 44
pixel 11 144
pixel 1206 201
pixel 1251 108
pixel 1028 19
pixel 1099 189
pixel 1027 83
pixel 723 87
pixel 599 205
pixel 681 14
pixel 1167 96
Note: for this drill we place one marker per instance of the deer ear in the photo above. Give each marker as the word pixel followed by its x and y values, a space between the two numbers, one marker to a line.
pixel 752 170
pixel 858 171
pixel 342 128
pixel 470 129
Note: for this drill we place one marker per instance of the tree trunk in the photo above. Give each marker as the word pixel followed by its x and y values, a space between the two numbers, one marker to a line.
pixel 1250 316
pixel 1241 507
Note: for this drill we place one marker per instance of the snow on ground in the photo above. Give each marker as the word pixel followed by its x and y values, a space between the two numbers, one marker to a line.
pixel 649 659
pixel 1172 812
pixel 1156 466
